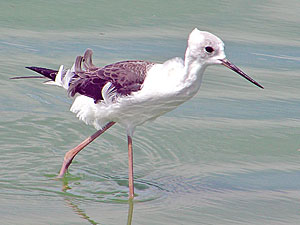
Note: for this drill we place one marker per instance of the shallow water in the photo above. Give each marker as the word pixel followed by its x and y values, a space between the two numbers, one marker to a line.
pixel 228 156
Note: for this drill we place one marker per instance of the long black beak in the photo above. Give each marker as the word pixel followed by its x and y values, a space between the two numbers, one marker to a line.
pixel 231 66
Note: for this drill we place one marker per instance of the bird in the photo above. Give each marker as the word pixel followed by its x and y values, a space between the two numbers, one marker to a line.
pixel 135 91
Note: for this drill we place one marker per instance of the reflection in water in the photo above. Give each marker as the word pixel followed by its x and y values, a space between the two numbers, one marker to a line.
pixel 81 212
pixel 130 211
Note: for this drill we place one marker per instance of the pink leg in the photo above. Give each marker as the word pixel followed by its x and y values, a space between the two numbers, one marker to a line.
pixel 69 156
pixel 130 168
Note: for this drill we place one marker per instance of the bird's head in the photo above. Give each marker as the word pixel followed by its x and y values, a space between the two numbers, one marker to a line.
pixel 207 49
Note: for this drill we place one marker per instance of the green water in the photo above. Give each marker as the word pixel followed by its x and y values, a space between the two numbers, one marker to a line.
pixel 228 156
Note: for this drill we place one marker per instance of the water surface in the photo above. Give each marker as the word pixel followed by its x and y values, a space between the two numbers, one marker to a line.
pixel 228 156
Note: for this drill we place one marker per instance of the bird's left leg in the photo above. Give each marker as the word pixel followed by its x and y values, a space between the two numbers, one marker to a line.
pixel 69 156
pixel 130 168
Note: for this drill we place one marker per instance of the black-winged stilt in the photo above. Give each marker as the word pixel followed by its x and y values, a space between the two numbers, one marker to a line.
pixel 133 92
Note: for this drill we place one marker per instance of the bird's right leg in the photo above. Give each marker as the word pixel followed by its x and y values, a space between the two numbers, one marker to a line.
pixel 69 156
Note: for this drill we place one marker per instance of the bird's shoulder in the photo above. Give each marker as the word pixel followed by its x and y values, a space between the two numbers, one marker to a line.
pixel 125 72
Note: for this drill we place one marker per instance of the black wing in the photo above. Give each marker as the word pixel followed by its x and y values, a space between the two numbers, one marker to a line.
pixel 126 77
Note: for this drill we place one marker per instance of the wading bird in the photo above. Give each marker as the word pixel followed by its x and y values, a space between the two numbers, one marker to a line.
pixel 133 92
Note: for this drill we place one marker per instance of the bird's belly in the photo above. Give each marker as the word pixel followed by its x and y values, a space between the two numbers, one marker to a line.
pixel 129 111
pixel 147 110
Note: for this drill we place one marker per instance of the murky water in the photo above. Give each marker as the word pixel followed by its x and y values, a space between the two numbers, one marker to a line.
pixel 228 156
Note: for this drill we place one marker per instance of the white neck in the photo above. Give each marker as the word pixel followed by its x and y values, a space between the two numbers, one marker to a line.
pixel 193 73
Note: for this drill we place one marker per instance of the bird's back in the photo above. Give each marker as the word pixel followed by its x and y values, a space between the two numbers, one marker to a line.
pixel 125 77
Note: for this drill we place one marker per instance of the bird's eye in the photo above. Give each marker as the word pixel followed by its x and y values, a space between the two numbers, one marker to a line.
pixel 209 49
